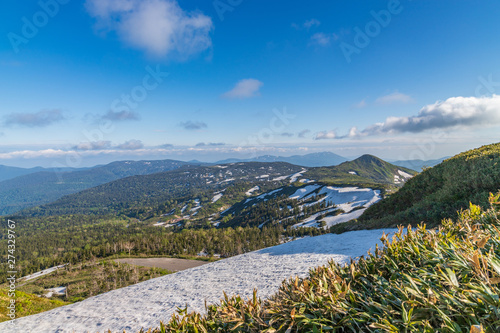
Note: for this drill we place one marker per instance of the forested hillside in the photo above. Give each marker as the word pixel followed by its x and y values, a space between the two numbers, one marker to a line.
pixel 136 195
pixel 366 170
pixel 8 172
pixel 43 187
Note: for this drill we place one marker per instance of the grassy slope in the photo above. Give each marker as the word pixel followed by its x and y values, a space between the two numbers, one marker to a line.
pixel 26 304
pixel 427 281
pixel 438 192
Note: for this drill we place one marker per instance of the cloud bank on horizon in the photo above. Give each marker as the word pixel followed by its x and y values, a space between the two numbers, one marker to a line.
pixel 455 112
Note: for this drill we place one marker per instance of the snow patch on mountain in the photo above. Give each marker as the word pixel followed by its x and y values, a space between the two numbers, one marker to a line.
pixel 404 174
pixel 294 177
pixel 216 197
pixel 253 189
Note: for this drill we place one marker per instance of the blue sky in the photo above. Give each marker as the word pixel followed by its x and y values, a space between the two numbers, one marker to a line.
pixel 88 82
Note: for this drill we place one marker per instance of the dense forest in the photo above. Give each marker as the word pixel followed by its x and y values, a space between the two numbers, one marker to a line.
pixel 55 240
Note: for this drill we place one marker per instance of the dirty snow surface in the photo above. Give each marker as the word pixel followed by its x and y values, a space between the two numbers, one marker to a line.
pixel 146 303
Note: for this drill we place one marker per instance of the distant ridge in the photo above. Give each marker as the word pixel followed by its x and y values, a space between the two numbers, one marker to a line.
pixel 8 172
pixel 308 160
pixel 419 165
pixel 38 188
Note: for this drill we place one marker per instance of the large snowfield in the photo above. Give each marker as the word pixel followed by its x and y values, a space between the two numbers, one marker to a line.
pixel 352 200
pixel 143 305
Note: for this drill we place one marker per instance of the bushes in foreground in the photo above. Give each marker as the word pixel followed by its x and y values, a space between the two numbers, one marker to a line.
pixel 444 280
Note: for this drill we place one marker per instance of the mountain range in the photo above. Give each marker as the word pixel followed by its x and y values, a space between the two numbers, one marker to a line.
pixel 24 188
pixel 9 172
pixel 46 186
pixel 198 193
pixel 419 165
pixel 308 160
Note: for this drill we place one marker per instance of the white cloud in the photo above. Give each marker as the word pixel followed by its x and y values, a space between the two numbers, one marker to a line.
pixel 107 145
pixel 28 154
pixel 325 135
pixel 193 125
pixel 455 112
pixel 246 88
pixel 307 24
pixel 329 135
pixel 394 98
pixel 96 145
pixel 361 104
pixel 38 119
pixel 160 27
pixel 353 133
pixel 131 145
pixel 210 144
pixel 311 23
pixel 323 39
pixel 303 133
pixel 120 115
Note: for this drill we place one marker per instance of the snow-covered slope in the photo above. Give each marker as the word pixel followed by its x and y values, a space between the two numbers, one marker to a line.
pixel 340 204
pixel 146 303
